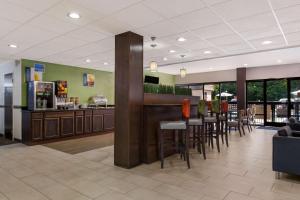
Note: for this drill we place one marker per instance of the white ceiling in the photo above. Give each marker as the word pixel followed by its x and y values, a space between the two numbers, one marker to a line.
pixel 42 31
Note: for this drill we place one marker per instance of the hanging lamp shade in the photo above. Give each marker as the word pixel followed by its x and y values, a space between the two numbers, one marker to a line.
pixel 153 66
pixel 182 72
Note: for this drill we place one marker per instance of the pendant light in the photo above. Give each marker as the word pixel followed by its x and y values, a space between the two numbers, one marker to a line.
pixel 182 70
pixel 153 64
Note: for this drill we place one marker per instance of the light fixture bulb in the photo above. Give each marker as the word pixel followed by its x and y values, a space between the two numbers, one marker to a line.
pixel 13 45
pixel 105 63
pixel 172 51
pixel 207 52
pixel 74 15
pixel 165 58
pixel 88 60
pixel 182 72
pixel 181 39
pixel 266 42
pixel 153 66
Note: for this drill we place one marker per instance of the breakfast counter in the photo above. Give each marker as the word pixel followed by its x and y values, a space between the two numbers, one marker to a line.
pixel 42 126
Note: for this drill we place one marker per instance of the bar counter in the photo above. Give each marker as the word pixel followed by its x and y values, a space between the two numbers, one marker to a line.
pixel 42 126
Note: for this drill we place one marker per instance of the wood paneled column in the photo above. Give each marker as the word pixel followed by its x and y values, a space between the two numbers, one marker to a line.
pixel 129 97
pixel 241 88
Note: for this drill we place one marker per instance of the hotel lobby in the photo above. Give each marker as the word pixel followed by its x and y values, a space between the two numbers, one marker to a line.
pixel 149 99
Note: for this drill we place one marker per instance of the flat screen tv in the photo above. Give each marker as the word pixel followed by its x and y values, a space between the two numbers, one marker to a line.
pixel 151 79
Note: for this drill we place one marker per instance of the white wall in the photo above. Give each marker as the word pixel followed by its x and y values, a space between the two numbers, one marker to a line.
pixel 207 77
pixel 276 71
pixel 15 68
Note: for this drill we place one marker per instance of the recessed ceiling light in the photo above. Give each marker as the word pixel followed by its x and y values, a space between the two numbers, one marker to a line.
pixel 266 42
pixel 13 45
pixel 165 58
pixel 279 61
pixel 207 52
pixel 172 51
pixel 105 63
pixel 88 60
pixel 74 15
pixel 245 65
pixel 210 68
pixel 181 39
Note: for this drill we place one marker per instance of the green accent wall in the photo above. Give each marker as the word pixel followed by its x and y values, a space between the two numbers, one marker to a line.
pixel 104 81
pixel 164 79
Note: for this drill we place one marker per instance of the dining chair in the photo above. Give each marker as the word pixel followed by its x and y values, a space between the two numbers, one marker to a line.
pixel 238 123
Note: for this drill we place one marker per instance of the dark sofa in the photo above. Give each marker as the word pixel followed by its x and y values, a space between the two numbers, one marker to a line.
pixel 286 151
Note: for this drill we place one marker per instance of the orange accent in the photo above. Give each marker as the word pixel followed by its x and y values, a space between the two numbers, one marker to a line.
pixel 209 105
pixel 224 107
pixel 186 108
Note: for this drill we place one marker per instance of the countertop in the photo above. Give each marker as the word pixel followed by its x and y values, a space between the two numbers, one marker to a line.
pixel 79 109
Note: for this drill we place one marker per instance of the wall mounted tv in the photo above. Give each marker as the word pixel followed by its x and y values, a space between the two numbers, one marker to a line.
pixel 151 79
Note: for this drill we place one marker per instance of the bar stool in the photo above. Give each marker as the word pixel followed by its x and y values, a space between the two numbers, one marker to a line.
pixel 197 127
pixel 212 123
pixel 224 122
pixel 182 127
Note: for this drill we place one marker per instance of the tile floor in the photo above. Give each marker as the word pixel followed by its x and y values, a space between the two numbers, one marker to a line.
pixel 240 172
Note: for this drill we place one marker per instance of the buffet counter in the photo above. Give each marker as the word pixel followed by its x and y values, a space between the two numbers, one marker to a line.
pixel 43 126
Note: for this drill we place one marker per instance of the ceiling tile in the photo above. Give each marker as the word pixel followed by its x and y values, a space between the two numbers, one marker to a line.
pixel 137 16
pixel 15 13
pixel 27 36
pixel 235 47
pixel 278 42
pixel 35 5
pixel 110 25
pixel 53 24
pixel 288 14
pixel 189 36
pixel 62 43
pixel 7 26
pixel 61 11
pixel 261 33
pixel 227 39
pixel 277 4
pixel 212 2
pixel 160 29
pixel 106 7
pixel 87 35
pixel 254 22
pixel 172 8
pixel 213 31
pixel 292 37
pixel 236 9
pixel 197 19
pixel 291 27
pixel 36 53
pixel 196 45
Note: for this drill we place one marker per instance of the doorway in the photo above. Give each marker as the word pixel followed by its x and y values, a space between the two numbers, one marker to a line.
pixel 8 106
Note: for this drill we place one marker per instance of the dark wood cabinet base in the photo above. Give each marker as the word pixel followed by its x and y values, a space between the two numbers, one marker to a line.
pixel 54 125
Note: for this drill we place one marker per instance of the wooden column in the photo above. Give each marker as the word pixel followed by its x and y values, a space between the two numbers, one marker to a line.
pixel 129 97
pixel 241 88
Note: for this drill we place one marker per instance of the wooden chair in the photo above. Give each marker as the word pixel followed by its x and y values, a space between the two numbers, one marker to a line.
pixel 238 123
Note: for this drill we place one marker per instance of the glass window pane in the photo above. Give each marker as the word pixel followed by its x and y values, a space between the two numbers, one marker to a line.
pixel 211 92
